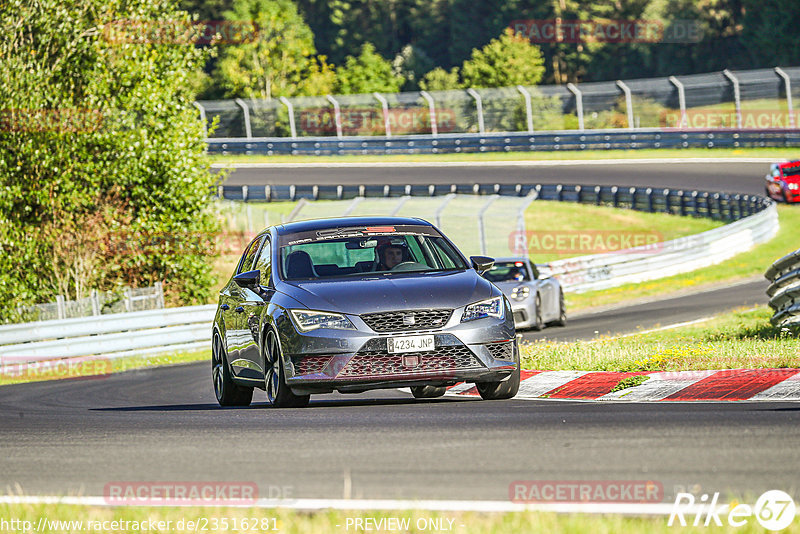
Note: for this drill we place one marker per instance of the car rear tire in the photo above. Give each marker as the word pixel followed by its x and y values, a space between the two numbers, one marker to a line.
pixel 428 392
pixel 538 323
pixel 228 392
pixel 278 393
pixel 562 310
pixel 502 390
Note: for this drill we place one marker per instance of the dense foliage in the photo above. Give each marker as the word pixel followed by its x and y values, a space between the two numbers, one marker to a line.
pixel 421 36
pixel 104 179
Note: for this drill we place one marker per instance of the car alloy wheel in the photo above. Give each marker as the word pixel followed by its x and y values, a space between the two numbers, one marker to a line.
pixel 278 393
pixel 538 323
pixel 228 393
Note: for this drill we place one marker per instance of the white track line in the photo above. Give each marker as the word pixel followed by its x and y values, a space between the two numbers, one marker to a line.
pixel 380 504
pixel 467 163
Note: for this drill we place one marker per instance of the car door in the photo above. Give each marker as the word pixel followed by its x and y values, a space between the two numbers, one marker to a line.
pixel 547 293
pixel 233 296
pixel 254 303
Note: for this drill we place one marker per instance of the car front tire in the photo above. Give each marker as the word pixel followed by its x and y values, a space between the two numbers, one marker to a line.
pixel 228 392
pixel 278 393
pixel 502 390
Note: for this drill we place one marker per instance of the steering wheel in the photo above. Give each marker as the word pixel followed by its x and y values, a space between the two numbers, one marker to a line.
pixel 408 266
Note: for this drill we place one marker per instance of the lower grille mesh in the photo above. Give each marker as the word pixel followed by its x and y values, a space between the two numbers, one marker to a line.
pixel 381 363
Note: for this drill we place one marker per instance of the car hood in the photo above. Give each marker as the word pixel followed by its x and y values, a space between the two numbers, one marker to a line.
pixel 406 291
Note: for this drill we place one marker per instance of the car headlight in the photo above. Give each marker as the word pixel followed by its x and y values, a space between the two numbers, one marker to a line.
pixel 486 308
pixel 793 185
pixel 307 320
pixel 520 293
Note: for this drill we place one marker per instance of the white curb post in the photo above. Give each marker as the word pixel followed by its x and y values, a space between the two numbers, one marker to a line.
pixel 246 111
pixel 432 111
pixel 337 115
pixel 681 100
pixel 528 108
pixel 290 110
pixel 385 107
pixel 578 103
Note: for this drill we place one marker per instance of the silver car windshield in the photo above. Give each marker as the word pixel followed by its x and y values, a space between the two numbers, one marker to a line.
pixel 355 252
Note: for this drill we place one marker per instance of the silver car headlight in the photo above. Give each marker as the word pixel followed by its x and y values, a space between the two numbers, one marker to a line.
pixel 520 293
pixel 307 320
pixel 486 308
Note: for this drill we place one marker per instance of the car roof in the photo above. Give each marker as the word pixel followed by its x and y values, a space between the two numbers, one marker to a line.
pixel 322 224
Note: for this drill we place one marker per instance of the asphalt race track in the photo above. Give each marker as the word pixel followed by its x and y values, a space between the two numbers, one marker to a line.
pixel 164 425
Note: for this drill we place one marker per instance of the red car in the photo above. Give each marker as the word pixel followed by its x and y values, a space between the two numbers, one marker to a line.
pixel 783 181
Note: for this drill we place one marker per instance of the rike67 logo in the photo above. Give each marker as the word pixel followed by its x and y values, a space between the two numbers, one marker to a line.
pixel 774 510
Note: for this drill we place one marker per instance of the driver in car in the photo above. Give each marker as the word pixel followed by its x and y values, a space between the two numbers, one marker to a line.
pixel 389 256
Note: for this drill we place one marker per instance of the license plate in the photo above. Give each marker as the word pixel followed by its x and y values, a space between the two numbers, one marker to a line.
pixel 409 344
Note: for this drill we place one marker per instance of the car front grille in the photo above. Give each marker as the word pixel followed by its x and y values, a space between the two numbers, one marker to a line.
pixel 307 365
pixel 501 351
pixel 403 321
pixel 381 363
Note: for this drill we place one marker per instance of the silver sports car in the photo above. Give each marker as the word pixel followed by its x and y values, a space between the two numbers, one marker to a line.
pixel 535 300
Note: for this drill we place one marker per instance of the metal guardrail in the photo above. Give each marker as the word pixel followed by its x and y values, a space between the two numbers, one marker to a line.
pixel 623 139
pixel 784 291
pixel 112 335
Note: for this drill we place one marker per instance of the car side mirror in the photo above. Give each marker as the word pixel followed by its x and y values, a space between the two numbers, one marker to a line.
pixel 482 263
pixel 248 280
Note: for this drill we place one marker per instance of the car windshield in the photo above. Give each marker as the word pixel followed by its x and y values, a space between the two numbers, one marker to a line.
pixel 791 170
pixel 355 251
pixel 509 271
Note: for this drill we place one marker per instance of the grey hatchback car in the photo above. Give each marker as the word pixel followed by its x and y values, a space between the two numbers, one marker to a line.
pixel 360 303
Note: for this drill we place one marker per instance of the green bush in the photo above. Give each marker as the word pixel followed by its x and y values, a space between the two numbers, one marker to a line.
pixel 100 150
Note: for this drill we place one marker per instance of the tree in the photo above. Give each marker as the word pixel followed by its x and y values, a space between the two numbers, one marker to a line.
pixel 99 136
pixel 280 61
pixel 506 61
pixel 366 73
pixel 440 80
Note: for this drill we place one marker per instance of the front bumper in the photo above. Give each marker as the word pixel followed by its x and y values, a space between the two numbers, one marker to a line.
pixel 322 361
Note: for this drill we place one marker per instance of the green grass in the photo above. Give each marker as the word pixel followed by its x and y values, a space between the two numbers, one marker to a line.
pixel 630 382
pixel 741 267
pixel 735 340
pixel 330 521
pixel 774 153
pixel 97 367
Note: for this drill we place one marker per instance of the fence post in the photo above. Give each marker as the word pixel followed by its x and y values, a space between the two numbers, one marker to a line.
pixel 787 82
pixel 290 109
pixel 478 105
pixel 432 112
pixel 528 108
pixel 337 115
pixel 578 103
pixel 481 224
pixel 628 102
pixel 128 300
pixel 737 97
pixel 681 100
pixel 522 239
pixel 202 117
pixel 385 108
pixel 95 299
pixel 246 111
pixel 160 295
pixel 438 213
pixel 61 308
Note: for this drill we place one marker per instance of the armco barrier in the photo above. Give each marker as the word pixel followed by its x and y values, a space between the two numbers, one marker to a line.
pixel 111 335
pixel 507 142
pixel 784 292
